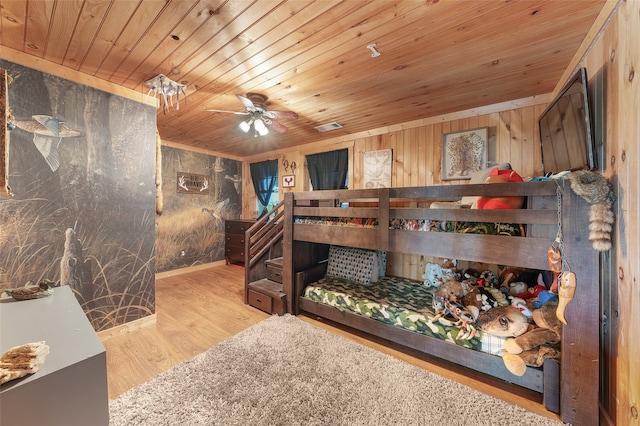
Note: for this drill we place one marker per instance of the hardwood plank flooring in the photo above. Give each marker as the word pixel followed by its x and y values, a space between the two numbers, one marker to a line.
pixel 197 310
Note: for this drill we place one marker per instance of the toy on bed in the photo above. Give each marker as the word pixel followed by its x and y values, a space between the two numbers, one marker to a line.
pixel 527 344
pixel 452 290
pixel 474 294
pixel 501 176
pixel 470 201
pixel 503 321
pixel 516 281
pixel 460 316
pixel 482 299
pixel 435 274
pixel 534 346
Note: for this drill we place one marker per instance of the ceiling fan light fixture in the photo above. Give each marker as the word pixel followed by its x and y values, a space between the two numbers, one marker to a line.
pixel 245 125
pixel 260 127
pixel 260 119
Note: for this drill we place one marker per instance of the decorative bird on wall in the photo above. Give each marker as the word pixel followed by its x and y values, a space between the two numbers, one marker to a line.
pixel 237 181
pixel 216 212
pixel 217 167
pixel 47 132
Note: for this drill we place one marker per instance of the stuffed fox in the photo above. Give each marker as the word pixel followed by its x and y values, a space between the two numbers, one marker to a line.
pixel 501 176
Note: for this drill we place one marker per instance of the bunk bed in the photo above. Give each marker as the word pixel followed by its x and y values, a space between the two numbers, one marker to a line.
pixel 314 221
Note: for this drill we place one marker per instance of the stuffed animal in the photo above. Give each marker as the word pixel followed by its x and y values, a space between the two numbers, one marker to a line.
pixel 521 305
pixel 543 297
pixel 516 281
pixel 488 279
pixel 517 287
pixel 532 292
pixel 501 176
pixel 503 321
pixel 452 290
pixel 435 274
pixel 432 275
pixel 536 345
pixel 480 299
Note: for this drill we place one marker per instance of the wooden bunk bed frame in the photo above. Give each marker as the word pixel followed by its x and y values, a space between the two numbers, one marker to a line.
pixel 569 388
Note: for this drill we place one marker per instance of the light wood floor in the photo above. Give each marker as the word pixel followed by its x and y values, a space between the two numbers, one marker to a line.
pixel 196 310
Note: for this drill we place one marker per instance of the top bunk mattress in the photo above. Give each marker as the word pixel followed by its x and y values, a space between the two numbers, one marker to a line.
pixel 399 302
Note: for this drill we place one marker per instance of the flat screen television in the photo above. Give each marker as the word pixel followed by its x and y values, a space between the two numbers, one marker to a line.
pixel 566 136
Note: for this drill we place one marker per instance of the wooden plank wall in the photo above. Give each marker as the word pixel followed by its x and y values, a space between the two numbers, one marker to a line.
pixel 417 158
pixel 616 54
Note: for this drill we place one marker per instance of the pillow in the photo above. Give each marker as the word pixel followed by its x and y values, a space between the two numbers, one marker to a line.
pixel 355 264
pixel 446 205
pixel 382 263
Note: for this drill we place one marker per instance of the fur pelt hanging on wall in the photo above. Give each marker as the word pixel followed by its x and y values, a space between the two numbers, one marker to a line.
pixel 595 190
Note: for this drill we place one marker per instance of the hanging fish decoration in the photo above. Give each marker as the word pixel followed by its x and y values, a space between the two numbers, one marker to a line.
pixel 167 88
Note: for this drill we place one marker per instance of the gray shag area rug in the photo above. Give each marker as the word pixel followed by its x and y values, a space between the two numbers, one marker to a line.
pixel 284 371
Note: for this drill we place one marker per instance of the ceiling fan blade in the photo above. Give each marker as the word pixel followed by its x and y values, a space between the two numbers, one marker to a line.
pixel 277 127
pixel 246 102
pixel 231 112
pixel 284 115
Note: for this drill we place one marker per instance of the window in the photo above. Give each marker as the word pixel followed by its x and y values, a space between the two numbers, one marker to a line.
pixel 329 170
pixel 264 176
pixel 273 200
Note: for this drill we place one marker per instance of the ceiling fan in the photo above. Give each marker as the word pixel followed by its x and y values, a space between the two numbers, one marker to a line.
pixel 260 118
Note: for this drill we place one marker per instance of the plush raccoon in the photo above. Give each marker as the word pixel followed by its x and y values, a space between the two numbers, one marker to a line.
pixel 595 190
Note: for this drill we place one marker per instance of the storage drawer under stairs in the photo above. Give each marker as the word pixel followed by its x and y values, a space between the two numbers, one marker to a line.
pixel 267 295
pixel 274 269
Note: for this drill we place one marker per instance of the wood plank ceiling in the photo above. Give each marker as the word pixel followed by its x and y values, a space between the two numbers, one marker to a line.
pixel 307 56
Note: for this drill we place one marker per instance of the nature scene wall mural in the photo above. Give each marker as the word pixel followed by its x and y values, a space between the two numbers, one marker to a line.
pixel 190 231
pixel 82 168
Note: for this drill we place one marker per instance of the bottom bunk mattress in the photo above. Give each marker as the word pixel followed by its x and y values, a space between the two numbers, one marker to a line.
pixel 401 303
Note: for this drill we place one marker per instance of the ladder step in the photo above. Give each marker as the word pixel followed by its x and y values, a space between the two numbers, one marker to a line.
pixel 266 286
pixel 275 262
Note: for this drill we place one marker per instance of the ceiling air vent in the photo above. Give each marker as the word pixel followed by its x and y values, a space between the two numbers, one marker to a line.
pixel 329 126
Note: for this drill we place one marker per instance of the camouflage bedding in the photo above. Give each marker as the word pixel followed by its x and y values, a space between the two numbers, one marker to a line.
pixel 399 302
pixel 514 230
pixel 418 225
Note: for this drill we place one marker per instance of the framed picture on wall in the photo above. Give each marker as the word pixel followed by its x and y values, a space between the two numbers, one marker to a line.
pixel 464 153
pixel 288 181
pixel 377 169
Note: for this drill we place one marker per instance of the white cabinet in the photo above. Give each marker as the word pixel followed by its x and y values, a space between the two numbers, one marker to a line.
pixel 71 387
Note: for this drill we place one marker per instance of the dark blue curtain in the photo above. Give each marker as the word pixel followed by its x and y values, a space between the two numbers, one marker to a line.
pixel 264 176
pixel 328 170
